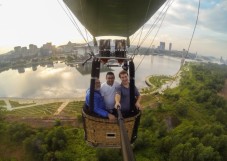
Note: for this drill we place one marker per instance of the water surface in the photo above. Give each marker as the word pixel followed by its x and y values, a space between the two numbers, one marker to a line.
pixel 62 81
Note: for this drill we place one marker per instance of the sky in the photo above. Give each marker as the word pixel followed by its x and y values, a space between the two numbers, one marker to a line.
pixel 24 22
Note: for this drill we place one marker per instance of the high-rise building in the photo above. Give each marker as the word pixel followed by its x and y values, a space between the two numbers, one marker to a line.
pixel 162 46
pixel 33 49
pixel 24 49
pixel 17 49
pixel 170 46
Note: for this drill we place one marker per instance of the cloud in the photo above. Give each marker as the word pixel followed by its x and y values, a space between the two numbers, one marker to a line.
pixel 214 18
pixel 210 34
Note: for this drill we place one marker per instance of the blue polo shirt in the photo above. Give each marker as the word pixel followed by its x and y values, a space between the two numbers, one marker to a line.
pixel 99 106
pixel 125 97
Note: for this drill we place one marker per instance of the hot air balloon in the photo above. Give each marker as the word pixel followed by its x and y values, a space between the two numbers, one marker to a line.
pixel 112 18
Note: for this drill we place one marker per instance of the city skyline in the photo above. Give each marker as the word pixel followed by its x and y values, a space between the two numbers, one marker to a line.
pixel 27 22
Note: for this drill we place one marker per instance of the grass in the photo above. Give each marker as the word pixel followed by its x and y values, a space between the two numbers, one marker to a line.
pixel 36 111
pixel 72 109
pixel 2 103
pixel 156 82
pixel 149 101
pixel 17 104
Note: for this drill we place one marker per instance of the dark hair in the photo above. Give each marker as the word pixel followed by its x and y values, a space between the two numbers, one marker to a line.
pixel 109 73
pixel 122 72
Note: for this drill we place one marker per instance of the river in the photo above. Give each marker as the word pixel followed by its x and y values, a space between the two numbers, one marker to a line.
pixel 62 81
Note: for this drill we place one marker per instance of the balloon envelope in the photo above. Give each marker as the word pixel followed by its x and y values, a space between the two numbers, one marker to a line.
pixel 113 17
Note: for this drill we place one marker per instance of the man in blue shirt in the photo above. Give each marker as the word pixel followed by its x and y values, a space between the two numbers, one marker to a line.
pixel 99 106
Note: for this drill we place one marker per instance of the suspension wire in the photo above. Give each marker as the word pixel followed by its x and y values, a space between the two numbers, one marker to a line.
pixel 144 22
pixel 183 59
pixel 136 51
pixel 78 28
pixel 69 15
pixel 84 19
pixel 72 20
pixel 134 36
pixel 143 25
pixel 161 14
pixel 163 17
pixel 194 29
pixel 82 35
pixel 151 28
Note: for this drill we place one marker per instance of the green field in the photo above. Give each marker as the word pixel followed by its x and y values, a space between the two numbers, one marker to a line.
pixel 2 103
pixel 36 111
pixel 17 104
pixel 156 82
pixel 72 109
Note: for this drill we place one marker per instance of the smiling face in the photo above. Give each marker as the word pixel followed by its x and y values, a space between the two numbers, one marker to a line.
pixel 110 79
pixel 124 78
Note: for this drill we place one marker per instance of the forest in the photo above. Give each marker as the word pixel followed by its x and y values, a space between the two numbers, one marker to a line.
pixel 186 123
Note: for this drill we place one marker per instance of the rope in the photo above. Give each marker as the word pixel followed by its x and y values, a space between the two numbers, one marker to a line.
pixel 144 22
pixel 161 14
pixel 78 28
pixel 183 61
pixel 164 14
pixel 85 20
pixel 194 29
pixel 154 36
pixel 142 26
pixel 156 21
pixel 75 24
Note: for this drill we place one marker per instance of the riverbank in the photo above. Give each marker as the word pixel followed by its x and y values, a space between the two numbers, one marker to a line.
pixel 172 83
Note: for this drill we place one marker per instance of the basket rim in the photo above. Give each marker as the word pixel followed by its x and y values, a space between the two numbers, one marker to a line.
pixel 106 120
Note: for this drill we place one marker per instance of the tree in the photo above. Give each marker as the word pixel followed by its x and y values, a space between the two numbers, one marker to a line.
pixel 182 152
pixel 109 154
pixel 56 139
pixel 18 132
pixel 182 108
pixel 203 153
pixel 221 116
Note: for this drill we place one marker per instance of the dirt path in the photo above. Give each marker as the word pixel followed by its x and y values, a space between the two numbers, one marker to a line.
pixel 63 105
pixel 8 105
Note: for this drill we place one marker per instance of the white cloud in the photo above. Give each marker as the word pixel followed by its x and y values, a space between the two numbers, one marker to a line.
pixel 210 34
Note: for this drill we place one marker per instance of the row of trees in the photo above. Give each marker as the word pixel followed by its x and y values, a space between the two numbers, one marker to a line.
pixel 190 122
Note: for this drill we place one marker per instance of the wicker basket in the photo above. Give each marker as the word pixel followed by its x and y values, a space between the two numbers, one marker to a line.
pixel 101 132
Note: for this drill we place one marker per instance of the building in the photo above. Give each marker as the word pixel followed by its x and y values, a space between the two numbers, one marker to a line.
pixel 170 46
pixel 17 50
pixel 47 49
pixel 24 52
pixel 33 50
pixel 162 46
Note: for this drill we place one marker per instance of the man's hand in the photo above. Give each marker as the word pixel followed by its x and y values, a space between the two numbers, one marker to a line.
pixel 111 117
pixel 117 105
pixel 138 106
